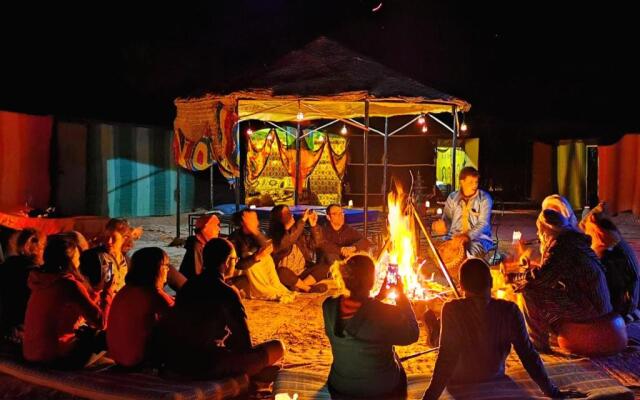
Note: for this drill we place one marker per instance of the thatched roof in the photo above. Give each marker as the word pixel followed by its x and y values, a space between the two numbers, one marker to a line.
pixel 325 80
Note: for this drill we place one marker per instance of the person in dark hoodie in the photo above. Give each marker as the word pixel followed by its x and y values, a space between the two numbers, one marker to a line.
pixel 14 291
pixel 362 332
pixel 60 302
pixel 205 335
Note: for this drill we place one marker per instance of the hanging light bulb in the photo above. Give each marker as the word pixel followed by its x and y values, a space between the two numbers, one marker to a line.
pixel 249 131
pixel 421 119
pixel 424 129
pixel 343 130
pixel 463 127
pixel 300 116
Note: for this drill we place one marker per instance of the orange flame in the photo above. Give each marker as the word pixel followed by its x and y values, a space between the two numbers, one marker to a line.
pixel 401 249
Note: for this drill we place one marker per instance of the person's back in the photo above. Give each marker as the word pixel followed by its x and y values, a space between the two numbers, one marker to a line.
pixel 55 308
pixel 484 332
pixel 364 362
pixel 362 332
pixel 477 333
pixel 132 317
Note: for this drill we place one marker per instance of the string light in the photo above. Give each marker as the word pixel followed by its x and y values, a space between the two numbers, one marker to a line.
pixel 343 130
pixel 249 131
pixel 321 138
pixel 424 129
pixel 421 119
pixel 463 126
pixel 300 116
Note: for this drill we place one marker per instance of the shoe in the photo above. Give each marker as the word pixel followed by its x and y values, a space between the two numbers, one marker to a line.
pixel 319 288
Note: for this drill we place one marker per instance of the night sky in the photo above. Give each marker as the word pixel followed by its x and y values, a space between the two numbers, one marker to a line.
pixel 532 70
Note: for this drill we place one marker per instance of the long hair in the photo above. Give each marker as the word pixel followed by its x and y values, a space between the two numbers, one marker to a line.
pixel 277 229
pixel 146 264
pixel 58 255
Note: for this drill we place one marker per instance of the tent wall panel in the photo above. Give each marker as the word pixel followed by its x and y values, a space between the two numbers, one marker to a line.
pixel 71 168
pixel 619 174
pixel 24 165
pixel 132 173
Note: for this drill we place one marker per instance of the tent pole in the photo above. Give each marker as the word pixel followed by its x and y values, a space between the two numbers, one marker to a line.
pixel 177 192
pixel 211 186
pixel 366 166
pixel 454 136
pixel 296 184
pixel 237 188
pixel 384 161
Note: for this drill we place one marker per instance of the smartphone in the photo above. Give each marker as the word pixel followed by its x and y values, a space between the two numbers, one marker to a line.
pixel 392 275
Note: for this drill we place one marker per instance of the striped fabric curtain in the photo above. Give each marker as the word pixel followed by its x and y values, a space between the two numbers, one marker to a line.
pixel 131 172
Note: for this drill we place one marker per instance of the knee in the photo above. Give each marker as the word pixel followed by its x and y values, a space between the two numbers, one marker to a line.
pixel 275 351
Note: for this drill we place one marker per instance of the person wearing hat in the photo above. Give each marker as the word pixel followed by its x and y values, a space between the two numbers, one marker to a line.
pixel 207 227
pixel 569 287
pixel 617 257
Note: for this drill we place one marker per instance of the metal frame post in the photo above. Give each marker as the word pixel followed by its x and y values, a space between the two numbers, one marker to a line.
pixel 296 184
pixel 453 148
pixel 366 166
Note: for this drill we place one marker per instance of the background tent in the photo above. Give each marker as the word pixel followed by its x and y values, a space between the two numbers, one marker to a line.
pixel 322 81
pixel 24 162
pixel 116 170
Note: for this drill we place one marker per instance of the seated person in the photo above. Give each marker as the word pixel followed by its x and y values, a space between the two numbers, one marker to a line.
pixel 618 258
pixel 207 227
pixel 362 332
pixel 14 290
pixel 138 306
pixel 112 241
pixel 293 251
pixel 339 239
pixel 568 286
pixel 255 264
pixel 205 335
pixel 129 236
pixel 477 334
pixel 467 213
pixel 59 304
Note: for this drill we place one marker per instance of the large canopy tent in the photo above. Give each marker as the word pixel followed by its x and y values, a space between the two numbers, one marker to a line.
pixel 321 81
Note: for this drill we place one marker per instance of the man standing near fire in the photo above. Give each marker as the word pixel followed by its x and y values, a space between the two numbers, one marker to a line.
pixel 467 215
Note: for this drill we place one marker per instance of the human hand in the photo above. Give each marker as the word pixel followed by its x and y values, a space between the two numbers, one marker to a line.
pixel 305 216
pixel 313 218
pixel 347 251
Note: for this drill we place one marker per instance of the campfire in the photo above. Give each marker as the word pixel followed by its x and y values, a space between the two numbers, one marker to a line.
pixel 400 252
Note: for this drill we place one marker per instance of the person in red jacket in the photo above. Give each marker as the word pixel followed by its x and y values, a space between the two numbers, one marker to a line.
pixel 60 304
pixel 138 306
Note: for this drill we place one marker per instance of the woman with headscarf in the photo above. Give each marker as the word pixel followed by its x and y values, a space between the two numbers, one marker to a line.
pixel 569 287
pixel 560 204
pixel 617 257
